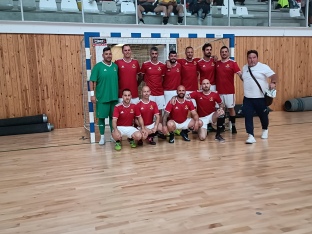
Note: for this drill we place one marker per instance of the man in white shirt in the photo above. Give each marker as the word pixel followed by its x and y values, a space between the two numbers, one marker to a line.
pixel 254 100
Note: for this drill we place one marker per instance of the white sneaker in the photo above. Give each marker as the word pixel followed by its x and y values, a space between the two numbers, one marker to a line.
pixel 250 139
pixel 265 134
pixel 112 139
pixel 102 140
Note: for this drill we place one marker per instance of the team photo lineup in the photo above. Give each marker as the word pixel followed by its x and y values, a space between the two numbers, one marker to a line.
pixel 178 96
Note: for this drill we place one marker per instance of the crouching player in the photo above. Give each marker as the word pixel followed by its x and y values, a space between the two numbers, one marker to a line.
pixel 123 119
pixel 178 114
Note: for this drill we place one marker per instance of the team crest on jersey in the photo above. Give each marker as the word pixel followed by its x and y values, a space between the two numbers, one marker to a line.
pixel 212 64
pixel 105 69
pixel 115 69
pixel 142 108
pixel 131 111
pixel 178 70
pixel 159 69
pixel 186 107
pixel 133 66
pixel 176 108
pixel 121 112
pixel 204 66
pixel 151 107
pixel 149 68
pixel 227 66
pixel 211 99
pixel 168 69
pixel 122 66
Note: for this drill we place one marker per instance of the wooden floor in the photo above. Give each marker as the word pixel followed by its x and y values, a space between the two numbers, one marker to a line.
pixel 53 183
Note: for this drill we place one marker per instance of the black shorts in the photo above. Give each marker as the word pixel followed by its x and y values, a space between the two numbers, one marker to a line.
pixel 149 8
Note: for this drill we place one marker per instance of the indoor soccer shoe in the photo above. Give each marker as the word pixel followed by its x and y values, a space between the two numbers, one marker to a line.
pixel 219 138
pixel 132 144
pixel 234 131
pixel 117 146
pixel 151 141
pixel 184 135
pixel 171 138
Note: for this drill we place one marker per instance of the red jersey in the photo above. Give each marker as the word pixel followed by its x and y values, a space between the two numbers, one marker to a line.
pixel 153 76
pixel 125 115
pixel 205 102
pixel 148 110
pixel 189 76
pixel 225 72
pixel 172 77
pixel 127 76
pixel 179 111
pixel 206 70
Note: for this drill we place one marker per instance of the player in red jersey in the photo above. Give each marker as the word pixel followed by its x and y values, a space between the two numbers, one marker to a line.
pixel 178 116
pixel 206 66
pixel 206 101
pixel 172 78
pixel 225 72
pixel 128 71
pixel 149 110
pixel 152 74
pixel 123 119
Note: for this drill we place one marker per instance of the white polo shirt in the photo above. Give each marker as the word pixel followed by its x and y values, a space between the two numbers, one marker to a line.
pixel 261 72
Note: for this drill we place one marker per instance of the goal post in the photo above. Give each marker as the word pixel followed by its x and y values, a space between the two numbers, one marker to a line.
pixel 93 44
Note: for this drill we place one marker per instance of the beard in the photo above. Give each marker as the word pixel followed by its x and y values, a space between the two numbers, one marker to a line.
pixel 181 95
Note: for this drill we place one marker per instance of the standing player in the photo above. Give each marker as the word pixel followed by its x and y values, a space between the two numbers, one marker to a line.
pixel 172 78
pixel 225 72
pixel 123 119
pixel 128 71
pixel 206 101
pixel 178 114
pixel 206 66
pixel 149 110
pixel 189 75
pixel 104 78
pixel 152 73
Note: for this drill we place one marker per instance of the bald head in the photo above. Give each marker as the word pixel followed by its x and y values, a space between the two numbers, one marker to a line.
pixel 146 92
pixel 181 91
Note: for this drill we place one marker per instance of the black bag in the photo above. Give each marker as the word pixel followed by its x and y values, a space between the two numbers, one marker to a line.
pixel 268 99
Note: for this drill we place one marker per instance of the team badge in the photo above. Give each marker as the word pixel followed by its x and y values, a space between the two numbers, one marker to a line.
pixel 211 99
pixel 133 66
pixel 176 108
pixel 115 69
pixel 142 108
pixel 105 69
pixel 121 112
pixel 159 69
pixel 178 70
pixel 149 68
pixel 204 66
pixel 122 66
pixel 227 66
pixel 168 69
pixel 186 107
pixel 212 64
pixel 131 111
pixel 151 107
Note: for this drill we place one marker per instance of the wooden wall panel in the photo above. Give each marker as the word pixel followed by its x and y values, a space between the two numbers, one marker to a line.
pixel 42 73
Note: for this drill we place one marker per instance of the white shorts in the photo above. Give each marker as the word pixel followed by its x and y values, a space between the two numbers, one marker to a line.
pixel 127 130
pixel 168 95
pixel 228 100
pixel 193 100
pixel 206 120
pixel 150 127
pixel 133 100
pixel 160 101
pixel 183 125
